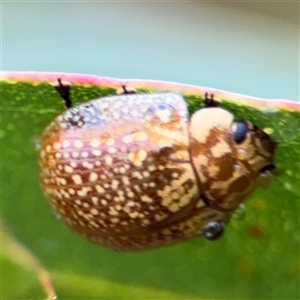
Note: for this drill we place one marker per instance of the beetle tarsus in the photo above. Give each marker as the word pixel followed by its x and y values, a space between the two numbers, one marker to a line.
pixel 64 91
pixel 210 101
pixel 126 91
pixel 213 230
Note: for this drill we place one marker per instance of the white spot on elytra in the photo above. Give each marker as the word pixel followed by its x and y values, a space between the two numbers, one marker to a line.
pixel 88 165
pixel 140 136
pixel 96 152
pixel 69 169
pixel 84 154
pixel 65 144
pixel 66 155
pixel 93 177
pixel 95 143
pixel 137 157
pixel 110 142
pixel 82 223
pixel 116 115
pixel 134 215
pixel 130 194
pixel 151 168
pixel 94 211
pixel 146 199
pixel 73 164
pixel 58 155
pixel 112 211
pixel 75 154
pixel 108 160
pixel 78 144
pixel 112 150
pixel 125 180
pixel 125 110
pixel 122 170
pixel 127 139
pixel 95 200
pixel 71 191
pixel 118 207
pixel 56 146
pixel 43 154
pixel 82 192
pixel 78 202
pixel 114 184
pixel 146 174
pixel 77 179
pixel 137 175
pixel 99 189
pixel 94 224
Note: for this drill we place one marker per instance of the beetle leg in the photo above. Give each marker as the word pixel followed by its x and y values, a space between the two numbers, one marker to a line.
pixel 63 88
pixel 210 101
pixel 125 91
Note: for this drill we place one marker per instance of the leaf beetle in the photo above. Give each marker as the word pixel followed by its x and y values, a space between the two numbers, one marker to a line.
pixel 134 171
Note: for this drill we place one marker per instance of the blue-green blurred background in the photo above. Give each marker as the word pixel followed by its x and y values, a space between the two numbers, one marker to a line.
pixel 245 47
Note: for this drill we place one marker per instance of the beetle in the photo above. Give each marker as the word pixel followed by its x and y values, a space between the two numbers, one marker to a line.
pixel 134 171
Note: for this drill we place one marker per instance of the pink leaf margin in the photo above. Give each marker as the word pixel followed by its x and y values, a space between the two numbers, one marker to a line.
pixel 92 80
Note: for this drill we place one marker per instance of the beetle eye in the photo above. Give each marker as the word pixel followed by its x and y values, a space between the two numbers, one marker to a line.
pixel 240 132
pixel 213 230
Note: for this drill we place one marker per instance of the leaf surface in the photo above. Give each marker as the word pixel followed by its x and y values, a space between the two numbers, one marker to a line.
pixel 258 257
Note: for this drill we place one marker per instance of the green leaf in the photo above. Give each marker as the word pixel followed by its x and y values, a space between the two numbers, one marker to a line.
pixel 258 257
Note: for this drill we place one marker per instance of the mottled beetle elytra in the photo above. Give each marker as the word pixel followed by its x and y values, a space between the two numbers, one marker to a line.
pixel 134 171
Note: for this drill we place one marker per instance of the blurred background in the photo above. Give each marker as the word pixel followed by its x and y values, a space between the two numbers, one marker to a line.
pixel 239 46
pixel 244 47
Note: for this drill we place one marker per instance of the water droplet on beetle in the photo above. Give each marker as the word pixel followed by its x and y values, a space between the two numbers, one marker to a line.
pixel 56 215
pixel 265 179
pixel 240 212
pixel 36 142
